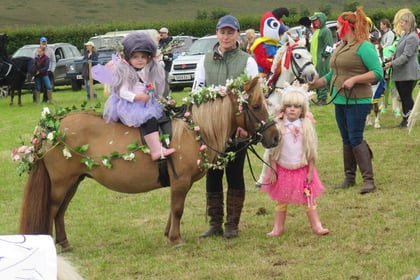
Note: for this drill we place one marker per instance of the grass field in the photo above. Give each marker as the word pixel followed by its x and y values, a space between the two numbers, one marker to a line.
pixel 120 236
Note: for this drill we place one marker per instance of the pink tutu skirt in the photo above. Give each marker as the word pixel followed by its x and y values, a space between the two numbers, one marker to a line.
pixel 291 187
pixel 132 114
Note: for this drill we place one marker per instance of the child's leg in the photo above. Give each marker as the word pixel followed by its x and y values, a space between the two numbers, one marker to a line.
pixel 396 103
pixel 279 220
pixel 157 151
pixel 376 110
pixel 315 222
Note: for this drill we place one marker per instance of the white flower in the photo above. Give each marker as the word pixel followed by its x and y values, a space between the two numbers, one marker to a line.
pixel 50 136
pixel 129 157
pixel 66 153
pixel 45 112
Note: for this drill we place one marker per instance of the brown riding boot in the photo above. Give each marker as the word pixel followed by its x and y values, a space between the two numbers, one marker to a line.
pixel 235 202
pixel 215 212
pixel 36 97
pixel 363 155
pixel 350 166
pixel 50 98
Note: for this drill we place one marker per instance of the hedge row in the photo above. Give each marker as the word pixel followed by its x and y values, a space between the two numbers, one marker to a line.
pixel 79 34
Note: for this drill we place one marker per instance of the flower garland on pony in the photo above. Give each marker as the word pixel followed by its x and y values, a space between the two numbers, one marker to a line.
pixel 48 131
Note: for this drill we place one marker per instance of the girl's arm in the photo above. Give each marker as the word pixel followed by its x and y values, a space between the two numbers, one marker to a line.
pixel 309 176
pixel 132 96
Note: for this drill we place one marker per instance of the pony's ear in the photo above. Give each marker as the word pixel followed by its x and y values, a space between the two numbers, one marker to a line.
pixel 302 41
pixel 291 40
pixel 251 84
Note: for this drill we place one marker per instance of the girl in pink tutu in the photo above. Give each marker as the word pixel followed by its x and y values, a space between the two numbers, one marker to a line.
pixel 292 178
pixel 137 84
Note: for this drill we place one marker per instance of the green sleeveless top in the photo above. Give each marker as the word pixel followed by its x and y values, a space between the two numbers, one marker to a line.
pixel 220 68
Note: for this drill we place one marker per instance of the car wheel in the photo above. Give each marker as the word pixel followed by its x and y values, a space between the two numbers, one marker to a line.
pixel 76 85
pixel 177 88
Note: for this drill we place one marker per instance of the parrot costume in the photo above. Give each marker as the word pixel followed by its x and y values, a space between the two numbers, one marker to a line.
pixel 265 47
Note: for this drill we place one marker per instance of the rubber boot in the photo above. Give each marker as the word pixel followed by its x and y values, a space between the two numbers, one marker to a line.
pixel 215 212
pixel 36 97
pixel 315 222
pixel 234 204
pixel 49 95
pixel 157 151
pixel 363 155
pixel 350 167
pixel 279 221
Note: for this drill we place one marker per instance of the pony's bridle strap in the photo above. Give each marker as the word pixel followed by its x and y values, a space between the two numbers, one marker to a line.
pixel 296 69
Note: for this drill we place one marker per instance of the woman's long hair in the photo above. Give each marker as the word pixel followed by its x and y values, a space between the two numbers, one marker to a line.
pixel 406 15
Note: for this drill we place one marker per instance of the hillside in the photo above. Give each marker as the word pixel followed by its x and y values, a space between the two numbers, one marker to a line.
pixel 17 13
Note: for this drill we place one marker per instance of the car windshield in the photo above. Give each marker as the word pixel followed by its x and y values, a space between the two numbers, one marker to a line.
pixel 29 52
pixel 202 46
pixel 106 42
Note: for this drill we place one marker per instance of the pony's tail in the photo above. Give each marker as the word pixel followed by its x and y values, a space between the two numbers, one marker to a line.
pixel 35 216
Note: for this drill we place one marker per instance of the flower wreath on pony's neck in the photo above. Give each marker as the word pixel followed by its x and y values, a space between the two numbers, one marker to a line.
pixel 235 86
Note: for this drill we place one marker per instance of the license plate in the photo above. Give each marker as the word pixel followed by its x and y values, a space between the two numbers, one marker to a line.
pixel 79 77
pixel 182 77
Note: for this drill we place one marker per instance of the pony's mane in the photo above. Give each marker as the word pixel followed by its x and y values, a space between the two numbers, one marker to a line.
pixel 214 121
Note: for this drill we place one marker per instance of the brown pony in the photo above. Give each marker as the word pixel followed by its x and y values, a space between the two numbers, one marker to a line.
pixel 54 179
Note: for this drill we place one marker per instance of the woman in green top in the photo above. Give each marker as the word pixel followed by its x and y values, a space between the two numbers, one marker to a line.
pixel 354 66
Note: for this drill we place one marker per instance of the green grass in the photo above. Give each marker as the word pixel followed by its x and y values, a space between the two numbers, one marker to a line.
pixel 120 236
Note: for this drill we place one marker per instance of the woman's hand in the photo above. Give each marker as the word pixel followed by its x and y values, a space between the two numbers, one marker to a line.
pixel 241 133
pixel 348 84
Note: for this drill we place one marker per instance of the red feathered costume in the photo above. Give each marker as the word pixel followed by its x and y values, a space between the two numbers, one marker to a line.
pixel 265 47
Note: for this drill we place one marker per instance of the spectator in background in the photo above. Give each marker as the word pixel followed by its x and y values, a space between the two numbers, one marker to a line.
pixel 43 41
pixel 306 30
pixel 91 56
pixel 250 38
pixel 166 54
pixel 404 64
pixel 388 36
pixel 321 49
pixel 42 64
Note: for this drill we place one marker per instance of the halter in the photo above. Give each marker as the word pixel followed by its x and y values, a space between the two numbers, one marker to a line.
pixel 290 58
pixel 255 137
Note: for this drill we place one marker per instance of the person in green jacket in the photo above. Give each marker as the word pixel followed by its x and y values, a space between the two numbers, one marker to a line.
pixel 321 49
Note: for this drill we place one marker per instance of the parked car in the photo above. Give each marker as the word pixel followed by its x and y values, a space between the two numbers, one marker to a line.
pixel 105 45
pixel 331 24
pixel 65 54
pixel 184 65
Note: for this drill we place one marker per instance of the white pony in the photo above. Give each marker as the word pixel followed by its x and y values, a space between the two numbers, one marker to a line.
pixel 292 62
